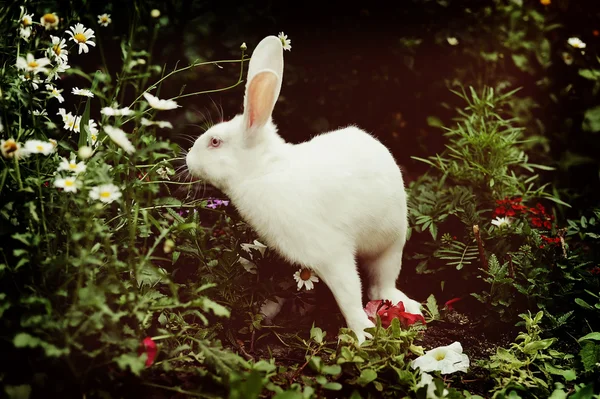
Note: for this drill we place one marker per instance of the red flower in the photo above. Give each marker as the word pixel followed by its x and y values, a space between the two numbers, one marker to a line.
pixel 452 301
pixel 149 347
pixel 387 312
pixel 595 270
pixel 537 222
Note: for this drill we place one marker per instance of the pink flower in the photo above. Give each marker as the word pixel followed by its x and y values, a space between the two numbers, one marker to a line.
pixel 387 312
pixel 149 347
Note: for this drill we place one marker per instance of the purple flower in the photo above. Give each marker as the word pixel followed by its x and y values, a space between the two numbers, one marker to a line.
pixel 213 203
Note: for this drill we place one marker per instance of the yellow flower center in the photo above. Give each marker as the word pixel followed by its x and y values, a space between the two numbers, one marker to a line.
pixel 104 18
pixel 80 37
pixel 72 166
pixel 440 356
pixel 94 137
pixel 56 49
pixel 10 146
pixel 26 21
pixel 33 64
pixel 305 274
pixel 49 18
pixel 69 183
pixel 105 194
pixel 39 148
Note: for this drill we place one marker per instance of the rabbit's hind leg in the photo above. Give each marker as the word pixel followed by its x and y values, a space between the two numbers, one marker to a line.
pixel 383 271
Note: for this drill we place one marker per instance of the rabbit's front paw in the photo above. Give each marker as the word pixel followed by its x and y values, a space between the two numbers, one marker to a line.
pixel 412 306
pixel 359 330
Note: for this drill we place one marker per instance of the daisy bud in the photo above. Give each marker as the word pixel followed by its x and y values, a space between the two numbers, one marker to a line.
pixel 155 13
pixel 243 46
pixel 85 152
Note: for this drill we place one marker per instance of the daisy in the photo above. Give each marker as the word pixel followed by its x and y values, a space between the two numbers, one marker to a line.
pixel 38 112
pixel 26 19
pixel 49 21
pixel 9 148
pixel 82 92
pixel 120 138
pixel 113 111
pixel 24 33
pixel 69 184
pixel 106 193
pixel 92 131
pixel 38 147
pixel 82 36
pixel 71 166
pixel 446 359
pixel 71 122
pixel 501 222
pixel 104 19
pixel 58 50
pixel 285 41
pixel 160 124
pixel 60 68
pixel 55 93
pixel 33 79
pixel 306 278
pixel 30 64
pixel 157 103
pixel 576 42
pixel 452 41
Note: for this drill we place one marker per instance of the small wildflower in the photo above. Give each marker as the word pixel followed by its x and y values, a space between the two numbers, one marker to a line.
pixel 155 13
pixel 104 19
pixel 159 104
pixel 113 111
pixel 243 47
pixel 150 349
pixel 55 73
pixel 306 278
pixel 26 19
pixel 69 184
pixel 71 166
pixel 120 138
pixel 446 359
pixel 82 92
pixel 82 36
pixel 58 50
pixel 49 21
pixel 71 122
pixel 106 193
pixel 567 58
pixel 55 92
pixel 38 147
pixel 33 79
pixel 85 152
pixel 452 41
pixel 163 173
pixel 30 64
pixel 576 42
pixel 160 124
pixel 9 148
pixel 285 41
pixel 38 112
pixel 502 222
pixel 53 142
pixel 595 270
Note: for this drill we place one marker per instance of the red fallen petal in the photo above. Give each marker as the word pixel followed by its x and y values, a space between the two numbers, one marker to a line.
pixel 452 301
pixel 406 319
pixel 149 346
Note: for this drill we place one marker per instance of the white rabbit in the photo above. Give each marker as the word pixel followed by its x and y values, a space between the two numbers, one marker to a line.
pixel 322 204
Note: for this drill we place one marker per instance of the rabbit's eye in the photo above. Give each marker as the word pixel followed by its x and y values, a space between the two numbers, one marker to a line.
pixel 215 142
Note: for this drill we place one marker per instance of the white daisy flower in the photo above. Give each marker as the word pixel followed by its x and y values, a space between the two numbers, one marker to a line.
pixel 30 64
pixel 55 92
pixel 38 112
pixel 82 92
pixel 58 50
pixel 33 79
pixel 26 19
pixel 71 122
pixel 114 111
pixel 82 36
pixel 38 147
pixel 306 278
pixel 157 103
pixel 576 42
pixel 452 41
pixel 54 73
pixel 70 184
pixel 120 138
pixel 160 124
pixel 285 41
pixel 53 142
pixel 9 148
pixel 106 193
pixel 104 19
pixel 49 21
pixel 501 222
pixel 71 166
pixel 446 359
pixel 24 33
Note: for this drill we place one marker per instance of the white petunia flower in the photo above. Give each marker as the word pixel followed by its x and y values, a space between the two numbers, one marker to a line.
pixel 452 41
pixel 71 166
pixel 114 111
pixel 446 359
pixel 120 138
pixel 160 124
pixel 55 93
pixel 576 42
pixel 501 222
pixel 82 92
pixel 70 184
pixel 157 103
pixel 49 21
pixel 306 278
pixel 285 41
pixel 30 64
pixel 10 148
pixel 58 50
pixel 106 193
pixel 38 147
pixel 427 381
pixel 104 19
pixel 82 36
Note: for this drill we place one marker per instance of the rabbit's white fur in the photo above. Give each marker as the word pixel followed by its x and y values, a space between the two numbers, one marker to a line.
pixel 322 204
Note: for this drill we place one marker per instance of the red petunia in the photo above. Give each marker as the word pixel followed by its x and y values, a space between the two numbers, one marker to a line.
pixel 451 302
pixel 149 347
pixel 387 312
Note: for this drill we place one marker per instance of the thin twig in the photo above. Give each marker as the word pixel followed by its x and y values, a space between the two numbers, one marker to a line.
pixel 482 257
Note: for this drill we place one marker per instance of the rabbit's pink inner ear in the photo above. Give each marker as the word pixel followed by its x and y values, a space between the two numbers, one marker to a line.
pixel 261 98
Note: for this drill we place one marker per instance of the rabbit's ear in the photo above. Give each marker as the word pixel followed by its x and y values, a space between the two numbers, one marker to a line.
pixel 265 73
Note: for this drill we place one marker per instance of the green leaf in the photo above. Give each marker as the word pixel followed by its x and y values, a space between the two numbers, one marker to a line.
pixel 583 303
pixel 366 376
pixel 217 309
pixel 595 336
pixel 568 375
pixel 317 334
pixel 333 386
pixel 432 307
pixel 538 345
pixel 590 355
pixel 84 130
pixel 591 74
pixel 18 391
pixel 334 369
pixel 591 120
pixel 131 361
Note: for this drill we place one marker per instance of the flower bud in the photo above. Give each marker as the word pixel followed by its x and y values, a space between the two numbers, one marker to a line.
pixel 85 152
pixel 155 13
